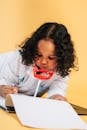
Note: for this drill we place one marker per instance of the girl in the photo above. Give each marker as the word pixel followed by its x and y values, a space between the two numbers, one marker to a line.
pixel 49 48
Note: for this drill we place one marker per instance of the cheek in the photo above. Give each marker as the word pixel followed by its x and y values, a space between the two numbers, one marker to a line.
pixel 53 65
pixel 37 62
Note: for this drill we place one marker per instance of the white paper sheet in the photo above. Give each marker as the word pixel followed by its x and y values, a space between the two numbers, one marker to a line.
pixel 46 113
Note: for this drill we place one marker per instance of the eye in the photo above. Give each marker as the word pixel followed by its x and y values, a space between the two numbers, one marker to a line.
pixel 52 57
pixel 38 56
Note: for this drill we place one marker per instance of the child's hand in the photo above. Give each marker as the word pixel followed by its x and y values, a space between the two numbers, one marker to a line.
pixel 5 90
pixel 58 97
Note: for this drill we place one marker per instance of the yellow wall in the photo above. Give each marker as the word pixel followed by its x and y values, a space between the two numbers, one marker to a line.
pixel 18 18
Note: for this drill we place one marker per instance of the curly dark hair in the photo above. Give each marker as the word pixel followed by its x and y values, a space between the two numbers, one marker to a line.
pixel 64 51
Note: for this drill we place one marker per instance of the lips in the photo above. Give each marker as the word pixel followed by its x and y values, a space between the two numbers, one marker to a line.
pixel 42 74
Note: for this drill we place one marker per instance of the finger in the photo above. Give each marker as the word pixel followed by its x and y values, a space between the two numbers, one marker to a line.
pixel 9 90
pixel 15 90
pixel 58 97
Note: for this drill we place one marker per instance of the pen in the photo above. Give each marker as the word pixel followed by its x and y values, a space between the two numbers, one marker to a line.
pixel 3 108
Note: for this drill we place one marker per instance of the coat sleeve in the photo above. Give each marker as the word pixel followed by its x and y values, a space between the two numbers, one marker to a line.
pixel 58 87
pixel 8 68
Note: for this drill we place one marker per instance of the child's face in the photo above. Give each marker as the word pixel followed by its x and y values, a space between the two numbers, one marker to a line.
pixel 46 58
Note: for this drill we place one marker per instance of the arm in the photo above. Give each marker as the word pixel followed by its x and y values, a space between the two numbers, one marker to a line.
pixel 8 75
pixel 57 90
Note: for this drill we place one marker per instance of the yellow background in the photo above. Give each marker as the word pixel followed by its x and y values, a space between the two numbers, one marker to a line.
pixel 19 18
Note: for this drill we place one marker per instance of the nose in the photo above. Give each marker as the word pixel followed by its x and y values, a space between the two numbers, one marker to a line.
pixel 44 61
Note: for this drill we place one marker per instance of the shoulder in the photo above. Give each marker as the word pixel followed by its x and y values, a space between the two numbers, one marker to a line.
pixel 11 57
pixel 60 78
pixel 10 54
pixel 6 57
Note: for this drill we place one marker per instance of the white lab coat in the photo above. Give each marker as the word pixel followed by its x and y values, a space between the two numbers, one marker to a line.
pixel 14 72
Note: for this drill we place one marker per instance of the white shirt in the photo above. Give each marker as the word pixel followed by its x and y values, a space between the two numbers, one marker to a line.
pixel 14 72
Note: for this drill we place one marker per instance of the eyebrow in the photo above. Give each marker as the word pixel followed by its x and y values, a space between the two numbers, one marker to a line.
pixel 47 56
